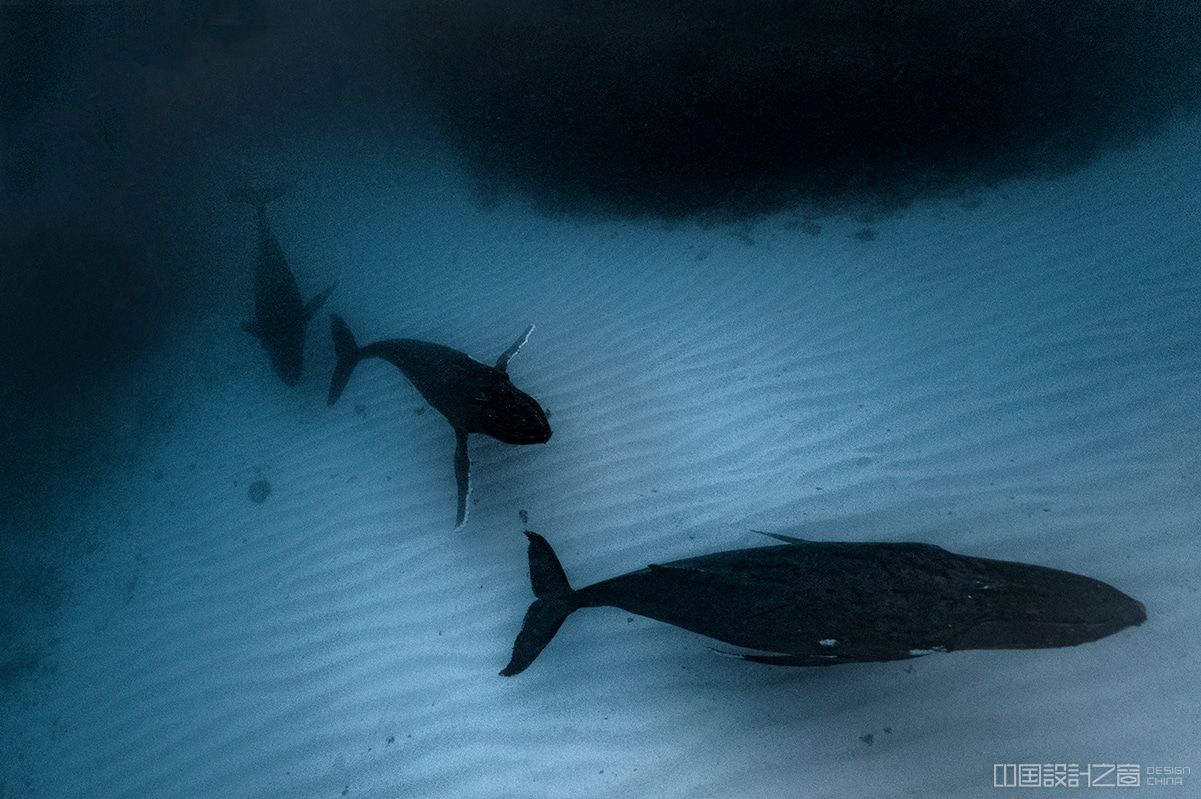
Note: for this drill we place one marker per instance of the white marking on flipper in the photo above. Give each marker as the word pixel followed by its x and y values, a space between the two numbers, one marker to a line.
pixel 502 363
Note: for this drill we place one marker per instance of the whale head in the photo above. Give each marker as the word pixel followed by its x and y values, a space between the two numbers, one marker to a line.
pixel 519 419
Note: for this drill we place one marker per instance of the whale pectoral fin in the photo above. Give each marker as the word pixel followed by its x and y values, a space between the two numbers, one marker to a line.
pixel 796 660
pixel 314 305
pixel 502 363
pixel 252 328
pixel 775 659
pixel 769 658
pixel 810 661
pixel 462 476
pixel 682 572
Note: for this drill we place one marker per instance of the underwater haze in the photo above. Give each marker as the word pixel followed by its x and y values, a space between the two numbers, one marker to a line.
pixel 918 271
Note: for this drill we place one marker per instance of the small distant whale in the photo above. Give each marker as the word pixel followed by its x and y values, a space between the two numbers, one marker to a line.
pixel 474 397
pixel 281 317
pixel 809 603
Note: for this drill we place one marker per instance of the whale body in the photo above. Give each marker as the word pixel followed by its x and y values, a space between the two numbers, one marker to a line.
pixel 810 603
pixel 474 397
pixel 281 316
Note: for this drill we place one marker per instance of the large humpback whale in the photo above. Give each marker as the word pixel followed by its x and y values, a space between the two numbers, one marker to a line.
pixel 809 603
pixel 281 316
pixel 474 397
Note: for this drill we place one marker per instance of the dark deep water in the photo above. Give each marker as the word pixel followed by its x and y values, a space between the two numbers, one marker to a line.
pixel 921 270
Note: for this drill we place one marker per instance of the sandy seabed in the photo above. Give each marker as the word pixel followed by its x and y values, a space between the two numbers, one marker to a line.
pixel 1013 374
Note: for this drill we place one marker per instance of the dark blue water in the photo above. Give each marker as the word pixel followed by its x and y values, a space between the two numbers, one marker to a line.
pixel 918 273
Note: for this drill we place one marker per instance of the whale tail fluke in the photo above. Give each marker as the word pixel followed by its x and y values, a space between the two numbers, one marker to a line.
pixel 260 197
pixel 554 602
pixel 349 355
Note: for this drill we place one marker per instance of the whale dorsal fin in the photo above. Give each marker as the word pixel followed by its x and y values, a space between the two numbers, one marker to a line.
pixel 314 305
pixel 679 571
pixel 787 539
pixel 502 363
pixel 261 196
pixel 462 476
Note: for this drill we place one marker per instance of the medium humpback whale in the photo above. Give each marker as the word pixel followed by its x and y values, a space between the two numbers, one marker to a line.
pixel 281 317
pixel 474 397
pixel 810 603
